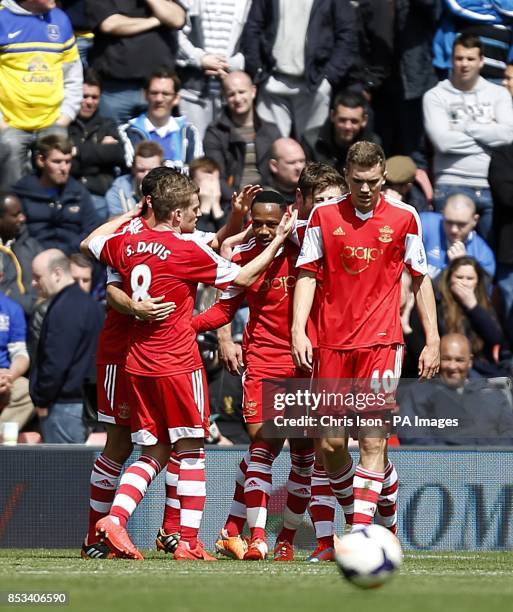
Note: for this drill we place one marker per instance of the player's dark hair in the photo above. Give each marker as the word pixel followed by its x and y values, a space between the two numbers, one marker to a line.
pixel 172 191
pixel 316 177
pixel 53 142
pixel 164 73
pixel 365 154
pixel 469 40
pixel 269 196
pixel 350 99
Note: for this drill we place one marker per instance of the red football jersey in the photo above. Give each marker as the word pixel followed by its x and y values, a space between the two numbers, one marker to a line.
pixel 266 341
pixel 113 340
pixel 363 256
pixel 154 263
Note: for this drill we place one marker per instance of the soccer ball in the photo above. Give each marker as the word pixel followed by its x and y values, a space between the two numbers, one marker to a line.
pixel 369 557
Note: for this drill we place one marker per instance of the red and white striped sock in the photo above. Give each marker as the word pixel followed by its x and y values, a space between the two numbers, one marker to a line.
pixel 171 520
pixel 132 488
pixel 258 487
pixel 386 512
pixel 322 506
pixel 342 486
pixel 237 517
pixel 367 486
pixel 191 491
pixel 104 482
pixel 299 487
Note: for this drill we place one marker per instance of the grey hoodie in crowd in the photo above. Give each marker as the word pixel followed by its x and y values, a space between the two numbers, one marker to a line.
pixel 464 126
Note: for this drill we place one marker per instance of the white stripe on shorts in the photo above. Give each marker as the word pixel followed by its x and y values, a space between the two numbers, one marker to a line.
pixel 110 383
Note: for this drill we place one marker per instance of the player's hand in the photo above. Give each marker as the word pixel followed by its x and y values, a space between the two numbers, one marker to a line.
pixel 41 412
pixel 241 201
pixel 429 360
pixel 457 249
pixel 153 309
pixel 302 351
pixel 230 355
pixel 286 225
pixel 132 213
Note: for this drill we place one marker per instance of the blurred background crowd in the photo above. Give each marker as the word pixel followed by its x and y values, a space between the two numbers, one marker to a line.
pixel 96 93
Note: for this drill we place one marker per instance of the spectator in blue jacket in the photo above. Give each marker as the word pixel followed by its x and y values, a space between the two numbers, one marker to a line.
pixel 179 139
pixel 58 209
pixel 65 355
pixel 452 234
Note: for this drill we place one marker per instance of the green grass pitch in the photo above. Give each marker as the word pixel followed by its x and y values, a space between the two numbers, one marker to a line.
pixel 448 582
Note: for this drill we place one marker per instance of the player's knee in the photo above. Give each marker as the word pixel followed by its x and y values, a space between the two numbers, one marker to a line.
pixel 373 446
pixel 119 444
pixel 332 446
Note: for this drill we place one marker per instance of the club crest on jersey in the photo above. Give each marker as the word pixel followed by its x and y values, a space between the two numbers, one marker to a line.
pixel 339 231
pixel 53 31
pixel 385 234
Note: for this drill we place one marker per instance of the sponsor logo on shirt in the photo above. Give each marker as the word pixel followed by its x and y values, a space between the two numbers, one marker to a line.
pixel 339 231
pixel 385 234
pixel 353 255
pixel 12 35
pixel 280 282
pixel 37 64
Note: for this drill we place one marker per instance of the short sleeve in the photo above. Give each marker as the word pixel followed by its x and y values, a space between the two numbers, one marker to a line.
pixel 107 249
pixel 312 251
pixel 206 266
pixel 414 252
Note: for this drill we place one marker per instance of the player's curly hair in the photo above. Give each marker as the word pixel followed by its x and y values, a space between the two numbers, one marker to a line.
pixel 366 154
pixel 172 190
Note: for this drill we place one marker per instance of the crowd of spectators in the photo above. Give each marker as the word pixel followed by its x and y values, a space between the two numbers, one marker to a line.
pixel 96 93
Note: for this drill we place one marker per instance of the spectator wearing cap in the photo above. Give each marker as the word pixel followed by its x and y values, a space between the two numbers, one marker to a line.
pixel 452 234
pixel 402 182
pixel 346 124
